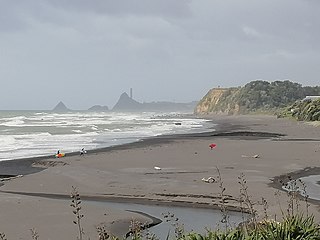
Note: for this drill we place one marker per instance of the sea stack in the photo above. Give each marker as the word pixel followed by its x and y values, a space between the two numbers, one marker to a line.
pixel 125 103
pixel 99 108
pixel 60 107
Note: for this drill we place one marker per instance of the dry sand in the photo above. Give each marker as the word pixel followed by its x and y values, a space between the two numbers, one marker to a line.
pixel 127 173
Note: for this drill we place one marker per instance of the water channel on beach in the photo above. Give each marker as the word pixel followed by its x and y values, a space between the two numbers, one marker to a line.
pixel 309 185
pixel 193 219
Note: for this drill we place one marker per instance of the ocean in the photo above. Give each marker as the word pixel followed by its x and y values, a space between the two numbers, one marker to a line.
pixel 26 134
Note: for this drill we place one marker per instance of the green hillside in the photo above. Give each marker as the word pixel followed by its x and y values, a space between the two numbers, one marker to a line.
pixel 256 96
pixel 305 110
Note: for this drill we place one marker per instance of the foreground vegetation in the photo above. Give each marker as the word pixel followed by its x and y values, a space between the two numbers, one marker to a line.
pixel 305 110
pixel 296 224
pixel 292 227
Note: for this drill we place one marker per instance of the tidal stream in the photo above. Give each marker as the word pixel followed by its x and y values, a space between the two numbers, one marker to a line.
pixel 193 219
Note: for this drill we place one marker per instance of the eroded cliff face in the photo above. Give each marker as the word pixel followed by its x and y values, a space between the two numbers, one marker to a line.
pixel 218 100
pixel 209 100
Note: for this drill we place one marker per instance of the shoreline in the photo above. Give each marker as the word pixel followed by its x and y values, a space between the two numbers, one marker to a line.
pixel 23 166
pixel 116 139
pixel 126 173
pixel 280 180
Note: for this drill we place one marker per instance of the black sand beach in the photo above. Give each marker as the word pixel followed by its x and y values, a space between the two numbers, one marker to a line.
pixel 127 173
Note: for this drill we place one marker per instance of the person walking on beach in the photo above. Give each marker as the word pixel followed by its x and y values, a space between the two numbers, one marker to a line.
pixel 82 152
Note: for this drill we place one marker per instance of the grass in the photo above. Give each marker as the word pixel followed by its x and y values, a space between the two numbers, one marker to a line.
pixel 296 224
pixel 314 123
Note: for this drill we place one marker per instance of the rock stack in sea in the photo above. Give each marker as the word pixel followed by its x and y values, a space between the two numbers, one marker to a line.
pixel 60 107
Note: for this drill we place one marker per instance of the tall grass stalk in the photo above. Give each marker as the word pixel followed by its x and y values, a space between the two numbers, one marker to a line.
pixel 76 205
pixel 34 234
pixel 305 196
pixel 245 197
pixel 179 230
pixel 265 208
pixel 223 202
pixel 293 196
pixel 294 225
pixel 3 236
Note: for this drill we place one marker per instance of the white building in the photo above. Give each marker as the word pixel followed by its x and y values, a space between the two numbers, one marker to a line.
pixel 311 98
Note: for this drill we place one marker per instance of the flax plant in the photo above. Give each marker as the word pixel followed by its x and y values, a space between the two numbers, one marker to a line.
pixel 245 197
pixel 103 234
pixel 76 205
pixel 174 221
pixel 265 208
pixel 305 196
pixel 34 234
pixel 3 236
pixel 135 229
pixel 223 202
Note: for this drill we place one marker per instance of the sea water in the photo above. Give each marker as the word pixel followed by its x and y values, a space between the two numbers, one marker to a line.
pixel 40 133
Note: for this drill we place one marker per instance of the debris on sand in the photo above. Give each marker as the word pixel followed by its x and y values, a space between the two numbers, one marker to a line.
pixel 208 180
pixel 253 156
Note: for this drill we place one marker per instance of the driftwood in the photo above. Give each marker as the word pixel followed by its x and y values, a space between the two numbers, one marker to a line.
pixel 253 156
pixel 9 178
pixel 208 180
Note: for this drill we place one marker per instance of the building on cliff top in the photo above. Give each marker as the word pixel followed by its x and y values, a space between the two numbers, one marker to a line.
pixel 311 98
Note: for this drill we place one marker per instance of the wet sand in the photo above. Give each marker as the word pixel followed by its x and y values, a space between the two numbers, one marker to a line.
pixel 260 147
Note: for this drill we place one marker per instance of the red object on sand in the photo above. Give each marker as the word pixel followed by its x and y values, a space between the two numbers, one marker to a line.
pixel 212 145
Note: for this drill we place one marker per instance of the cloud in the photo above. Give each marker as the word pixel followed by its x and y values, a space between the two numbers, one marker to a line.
pixel 171 45
pixel 251 32
pixel 279 54
pixel 171 8
pixel 11 18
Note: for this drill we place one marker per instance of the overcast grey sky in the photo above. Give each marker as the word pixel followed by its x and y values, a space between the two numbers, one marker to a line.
pixel 87 52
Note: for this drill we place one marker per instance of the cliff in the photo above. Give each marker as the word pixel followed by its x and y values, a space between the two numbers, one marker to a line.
pixel 255 96
pixel 217 101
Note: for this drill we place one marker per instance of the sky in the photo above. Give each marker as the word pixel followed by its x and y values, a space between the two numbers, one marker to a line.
pixel 88 52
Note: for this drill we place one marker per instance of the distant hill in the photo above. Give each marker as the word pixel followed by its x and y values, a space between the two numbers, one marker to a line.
pixel 99 108
pixel 169 106
pixel 256 96
pixel 60 107
pixel 125 103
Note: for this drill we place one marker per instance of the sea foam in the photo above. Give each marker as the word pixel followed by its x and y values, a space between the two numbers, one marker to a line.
pixel 30 134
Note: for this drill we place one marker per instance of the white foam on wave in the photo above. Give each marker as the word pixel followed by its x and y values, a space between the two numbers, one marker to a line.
pixel 77 131
pixel 66 120
pixel 30 145
pixel 7 143
pixel 71 131
pixel 13 123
